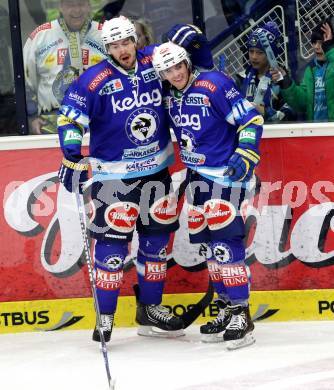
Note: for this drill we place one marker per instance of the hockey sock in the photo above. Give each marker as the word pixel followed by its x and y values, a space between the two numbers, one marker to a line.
pixel 152 267
pixel 109 260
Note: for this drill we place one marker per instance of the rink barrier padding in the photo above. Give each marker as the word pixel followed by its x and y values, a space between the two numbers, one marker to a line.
pixel 78 313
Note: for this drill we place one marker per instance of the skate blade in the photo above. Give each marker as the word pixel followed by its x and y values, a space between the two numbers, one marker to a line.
pixel 212 338
pixel 152 331
pixel 237 344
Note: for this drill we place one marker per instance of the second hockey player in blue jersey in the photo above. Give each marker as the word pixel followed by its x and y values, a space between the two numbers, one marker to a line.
pixel 219 133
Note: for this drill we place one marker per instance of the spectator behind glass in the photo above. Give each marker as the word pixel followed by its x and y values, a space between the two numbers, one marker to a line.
pixel 315 94
pixel 8 123
pixel 256 83
pixel 55 54
pixel 144 33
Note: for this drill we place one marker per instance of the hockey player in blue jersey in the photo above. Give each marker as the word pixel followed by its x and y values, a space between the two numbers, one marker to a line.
pixel 120 101
pixel 219 133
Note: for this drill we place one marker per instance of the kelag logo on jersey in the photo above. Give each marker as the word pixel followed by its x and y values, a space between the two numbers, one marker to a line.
pixel 193 121
pixel 141 126
pixel 197 99
pixel 149 75
pixel 144 99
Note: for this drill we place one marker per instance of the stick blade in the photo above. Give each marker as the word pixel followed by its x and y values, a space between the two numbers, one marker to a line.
pixel 192 314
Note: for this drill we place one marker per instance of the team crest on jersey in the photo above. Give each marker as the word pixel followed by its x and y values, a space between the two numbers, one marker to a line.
pixel 122 216
pixel 222 253
pixel 188 141
pixel 113 262
pixel 196 219
pixel 141 126
pixel 111 86
pixel 164 210
pixel 219 213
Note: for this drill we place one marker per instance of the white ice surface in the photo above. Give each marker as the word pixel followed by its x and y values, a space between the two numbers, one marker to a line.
pixel 294 356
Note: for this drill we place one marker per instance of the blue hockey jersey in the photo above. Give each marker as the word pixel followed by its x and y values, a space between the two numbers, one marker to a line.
pixel 124 113
pixel 210 119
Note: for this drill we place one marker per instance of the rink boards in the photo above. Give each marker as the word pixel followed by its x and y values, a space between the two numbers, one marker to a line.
pixel 290 241
pixel 71 314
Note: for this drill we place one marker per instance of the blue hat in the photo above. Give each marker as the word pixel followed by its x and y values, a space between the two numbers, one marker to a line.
pixel 272 32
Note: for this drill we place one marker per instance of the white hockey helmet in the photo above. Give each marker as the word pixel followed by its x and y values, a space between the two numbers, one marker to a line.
pixel 167 55
pixel 116 29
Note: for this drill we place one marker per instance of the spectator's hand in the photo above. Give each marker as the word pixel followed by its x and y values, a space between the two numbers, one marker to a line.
pixel 242 163
pixel 326 32
pixel 276 74
pixel 36 125
pixel 73 174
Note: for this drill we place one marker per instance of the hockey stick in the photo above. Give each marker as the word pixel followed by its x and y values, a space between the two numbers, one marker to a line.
pixel 82 218
pixel 195 311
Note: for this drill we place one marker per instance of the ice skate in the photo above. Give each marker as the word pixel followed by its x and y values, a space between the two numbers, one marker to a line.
pixel 238 332
pixel 156 321
pixel 213 331
pixel 107 322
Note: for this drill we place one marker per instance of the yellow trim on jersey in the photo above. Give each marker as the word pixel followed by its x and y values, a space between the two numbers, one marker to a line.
pixel 257 120
pixel 64 120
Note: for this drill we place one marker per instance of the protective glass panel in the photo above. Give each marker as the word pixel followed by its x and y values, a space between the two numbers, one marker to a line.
pixel 8 124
